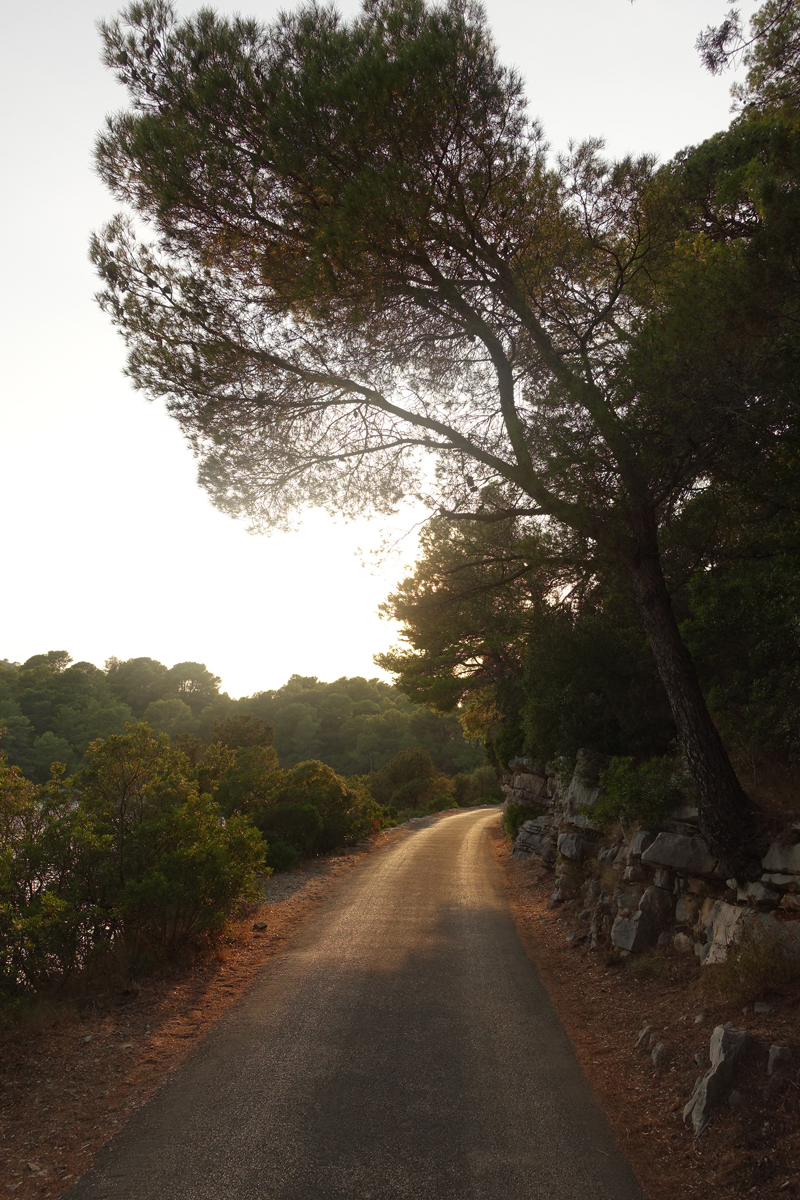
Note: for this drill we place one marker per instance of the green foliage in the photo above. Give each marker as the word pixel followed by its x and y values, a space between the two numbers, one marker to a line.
pixel 591 683
pixel 646 792
pixel 480 787
pixel 126 858
pixel 298 825
pixel 514 817
pixel 282 856
pixel 410 781
pixel 53 712
pixel 744 633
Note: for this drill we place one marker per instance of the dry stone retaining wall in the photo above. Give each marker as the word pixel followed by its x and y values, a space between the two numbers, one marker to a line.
pixel 640 888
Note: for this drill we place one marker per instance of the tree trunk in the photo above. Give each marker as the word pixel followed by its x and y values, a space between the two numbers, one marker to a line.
pixel 728 819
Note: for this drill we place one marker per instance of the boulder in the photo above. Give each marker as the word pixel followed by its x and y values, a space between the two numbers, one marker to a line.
pixel 724 927
pixel 779 1059
pixel 524 766
pixel 641 839
pixel 570 845
pixel 658 1054
pixel 659 903
pixel 756 893
pixel 628 899
pixel 785 859
pixel 686 909
pixel 682 943
pixel 779 880
pixel 686 855
pixel 634 933
pixel 726 1049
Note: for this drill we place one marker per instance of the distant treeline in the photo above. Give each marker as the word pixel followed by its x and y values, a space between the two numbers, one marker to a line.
pixel 52 710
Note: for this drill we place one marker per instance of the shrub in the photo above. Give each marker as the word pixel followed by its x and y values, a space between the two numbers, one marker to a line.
pixel 281 856
pixel 515 816
pixel 409 780
pixel 298 825
pixel 647 792
pixel 756 962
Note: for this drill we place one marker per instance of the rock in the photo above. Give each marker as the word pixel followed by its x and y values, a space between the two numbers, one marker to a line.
pixel 785 859
pixel 780 1057
pixel 644 1034
pixel 686 909
pixel 659 1054
pixel 259 926
pixel 628 900
pixel 726 1049
pixel 724 928
pixel 664 939
pixel 735 1099
pixel 523 766
pixel 699 1018
pixel 662 878
pixel 659 903
pixel 89 1038
pixel 686 855
pixel 633 933
pixel 791 903
pixel 580 795
pixel 756 893
pixel 682 943
pixel 779 880
pixel 699 1057
pixel 634 873
pixel 761 1007
pixel 620 856
pixel 570 845
pixel 641 839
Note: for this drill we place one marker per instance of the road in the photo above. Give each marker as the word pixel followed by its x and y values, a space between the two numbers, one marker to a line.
pixel 402 1048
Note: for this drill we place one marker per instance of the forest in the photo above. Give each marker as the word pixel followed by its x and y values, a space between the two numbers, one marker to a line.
pixel 139 805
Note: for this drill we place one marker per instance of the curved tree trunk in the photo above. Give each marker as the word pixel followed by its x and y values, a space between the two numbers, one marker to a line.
pixel 729 821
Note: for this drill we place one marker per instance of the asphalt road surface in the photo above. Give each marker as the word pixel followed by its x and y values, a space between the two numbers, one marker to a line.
pixel 402 1048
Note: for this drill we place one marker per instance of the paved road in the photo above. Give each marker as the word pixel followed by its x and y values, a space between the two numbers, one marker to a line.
pixel 403 1048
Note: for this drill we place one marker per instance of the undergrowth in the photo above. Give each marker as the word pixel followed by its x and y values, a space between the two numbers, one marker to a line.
pixel 757 962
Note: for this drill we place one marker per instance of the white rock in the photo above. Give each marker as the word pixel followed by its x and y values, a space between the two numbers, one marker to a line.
pixel 785 859
pixel 725 919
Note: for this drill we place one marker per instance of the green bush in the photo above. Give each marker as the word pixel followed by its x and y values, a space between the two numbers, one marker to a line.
pixel 281 856
pixel 297 825
pixel 126 858
pixel 646 792
pixel 514 817
pixel 409 780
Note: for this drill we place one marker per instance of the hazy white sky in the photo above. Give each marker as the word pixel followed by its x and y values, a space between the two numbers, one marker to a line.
pixel 109 547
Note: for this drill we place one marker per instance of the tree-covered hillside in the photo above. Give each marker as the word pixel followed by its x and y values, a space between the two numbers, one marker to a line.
pixel 52 709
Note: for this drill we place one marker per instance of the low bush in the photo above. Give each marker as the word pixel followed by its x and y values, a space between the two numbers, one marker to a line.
pixel 282 856
pixel 756 962
pixel 514 817
pixel 646 792
pixel 123 862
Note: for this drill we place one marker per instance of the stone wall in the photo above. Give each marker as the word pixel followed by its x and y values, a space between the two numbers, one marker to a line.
pixel 641 888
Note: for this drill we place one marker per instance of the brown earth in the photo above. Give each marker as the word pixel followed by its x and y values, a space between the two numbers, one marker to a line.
pixel 73 1073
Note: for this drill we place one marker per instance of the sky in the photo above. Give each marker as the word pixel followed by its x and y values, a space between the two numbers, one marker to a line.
pixel 109 547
